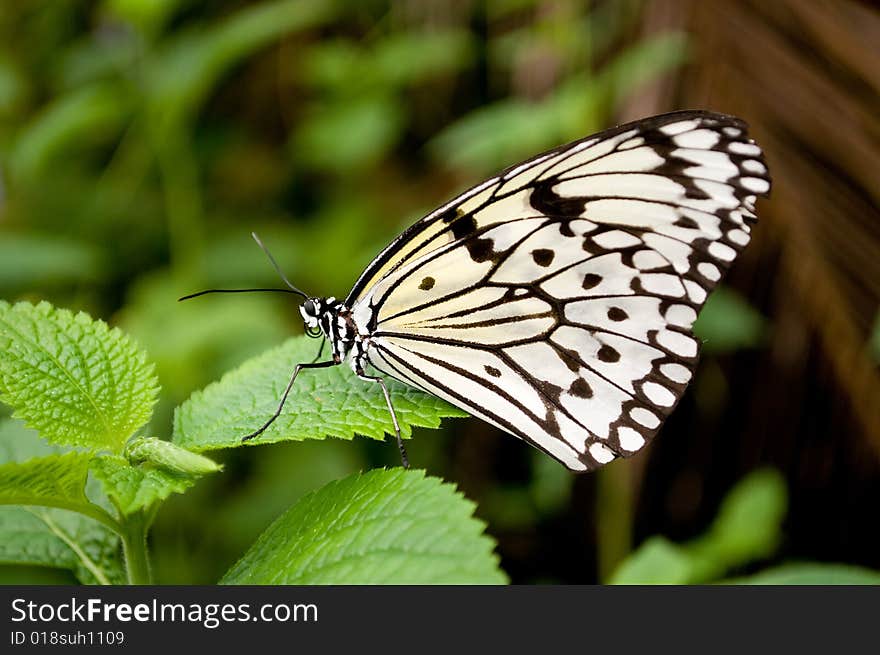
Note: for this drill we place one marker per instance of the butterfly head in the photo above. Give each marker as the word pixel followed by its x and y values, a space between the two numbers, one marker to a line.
pixel 320 316
pixel 311 311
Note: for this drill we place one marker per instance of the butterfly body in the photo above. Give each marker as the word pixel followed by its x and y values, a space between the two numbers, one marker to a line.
pixel 556 299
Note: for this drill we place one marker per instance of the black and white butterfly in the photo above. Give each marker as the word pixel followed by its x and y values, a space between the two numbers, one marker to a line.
pixel 555 300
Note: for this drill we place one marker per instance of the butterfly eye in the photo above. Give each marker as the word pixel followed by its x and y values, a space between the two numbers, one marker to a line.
pixel 309 308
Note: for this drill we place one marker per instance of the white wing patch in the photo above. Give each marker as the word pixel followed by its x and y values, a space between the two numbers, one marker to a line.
pixel 556 300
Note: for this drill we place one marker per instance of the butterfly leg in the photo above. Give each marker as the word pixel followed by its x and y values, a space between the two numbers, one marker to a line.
pixel 277 413
pixel 375 378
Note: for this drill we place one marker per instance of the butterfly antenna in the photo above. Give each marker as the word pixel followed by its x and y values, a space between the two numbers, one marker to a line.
pixel 277 267
pixel 206 291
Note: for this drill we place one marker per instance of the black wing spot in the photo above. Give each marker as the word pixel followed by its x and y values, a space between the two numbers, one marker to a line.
pixel 591 280
pixel 450 214
pixel 491 370
pixel 617 314
pixel 545 200
pixel 543 256
pixel 608 354
pixel 464 226
pixel 427 284
pixel 694 192
pixel 581 389
pixel 481 250
pixel 687 222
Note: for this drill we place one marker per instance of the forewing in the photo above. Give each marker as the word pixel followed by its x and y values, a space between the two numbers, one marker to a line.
pixel 708 153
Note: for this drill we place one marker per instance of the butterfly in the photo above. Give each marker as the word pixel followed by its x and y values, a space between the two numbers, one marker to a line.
pixel 555 300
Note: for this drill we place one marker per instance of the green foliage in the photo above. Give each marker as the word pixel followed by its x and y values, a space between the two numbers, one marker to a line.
pixel 188 66
pixel 435 538
pixel 383 527
pixel 60 539
pixel 147 15
pixel 325 402
pixel 511 129
pixel 51 537
pixel 514 507
pixel 55 481
pixel 278 477
pixel 657 561
pixel 150 472
pixel 80 384
pixel 728 323
pixel 34 473
pixel 30 259
pixel 373 122
pixel 98 385
pixel 812 573
pixel 144 139
pixel 84 115
pixel 747 528
pixel 19 443
pixel 135 488
pixel 551 484
pixel 360 88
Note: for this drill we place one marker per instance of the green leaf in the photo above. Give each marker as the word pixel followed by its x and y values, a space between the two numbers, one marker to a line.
pixel 810 573
pixel 60 539
pixel 728 323
pixel 28 261
pixel 147 15
pixel 135 488
pixel 496 134
pixel 278 477
pixel 72 378
pixel 551 484
pixel 383 527
pixel 373 123
pixel 510 129
pixel 324 402
pixel 748 526
pixel 657 561
pixel 409 57
pixel 346 70
pixel 19 443
pixel 13 86
pixel 644 61
pixel 94 112
pixel 181 77
pixel 53 481
pixel 52 537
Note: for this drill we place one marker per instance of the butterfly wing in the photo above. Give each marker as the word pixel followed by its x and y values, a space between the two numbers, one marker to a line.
pixel 556 300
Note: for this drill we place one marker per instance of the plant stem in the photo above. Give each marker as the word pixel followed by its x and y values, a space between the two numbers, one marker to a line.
pixel 134 548
pixel 614 514
pixel 183 200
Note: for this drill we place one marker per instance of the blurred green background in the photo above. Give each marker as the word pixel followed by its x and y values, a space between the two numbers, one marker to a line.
pixel 141 141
